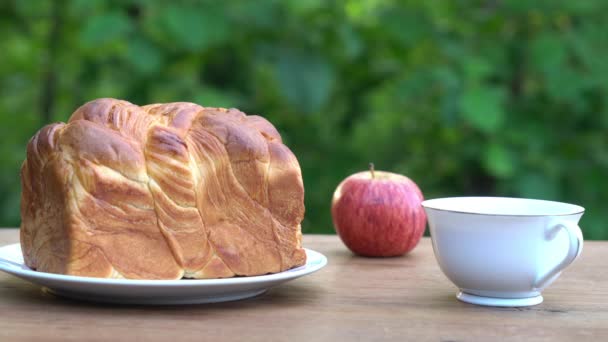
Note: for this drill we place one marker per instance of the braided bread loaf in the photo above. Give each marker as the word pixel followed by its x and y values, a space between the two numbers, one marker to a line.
pixel 162 191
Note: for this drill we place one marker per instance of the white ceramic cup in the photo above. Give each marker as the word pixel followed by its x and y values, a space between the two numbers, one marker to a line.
pixel 503 251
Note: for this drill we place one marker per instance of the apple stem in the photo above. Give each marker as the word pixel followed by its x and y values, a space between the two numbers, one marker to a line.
pixel 371 170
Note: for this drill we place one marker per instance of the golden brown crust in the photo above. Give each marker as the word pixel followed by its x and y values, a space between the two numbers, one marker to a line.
pixel 161 191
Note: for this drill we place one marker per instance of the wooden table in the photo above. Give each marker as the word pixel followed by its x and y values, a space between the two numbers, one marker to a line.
pixel 353 298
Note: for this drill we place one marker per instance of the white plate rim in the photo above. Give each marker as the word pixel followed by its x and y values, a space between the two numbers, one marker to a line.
pixel 314 262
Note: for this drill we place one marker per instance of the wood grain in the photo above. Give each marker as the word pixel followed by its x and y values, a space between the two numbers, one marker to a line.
pixel 353 298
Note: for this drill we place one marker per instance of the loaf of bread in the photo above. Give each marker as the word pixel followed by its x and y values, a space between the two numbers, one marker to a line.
pixel 163 191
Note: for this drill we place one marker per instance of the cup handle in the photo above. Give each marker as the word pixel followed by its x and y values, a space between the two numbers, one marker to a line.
pixel 575 235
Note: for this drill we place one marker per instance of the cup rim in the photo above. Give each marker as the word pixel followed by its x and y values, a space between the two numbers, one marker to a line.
pixel 435 204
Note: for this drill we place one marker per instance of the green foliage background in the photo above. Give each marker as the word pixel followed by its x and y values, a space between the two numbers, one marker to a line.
pixel 465 97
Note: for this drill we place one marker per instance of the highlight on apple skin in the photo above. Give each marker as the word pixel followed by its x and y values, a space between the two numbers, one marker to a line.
pixel 378 213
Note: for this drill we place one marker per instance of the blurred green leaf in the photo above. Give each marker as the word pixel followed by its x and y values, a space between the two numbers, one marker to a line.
pixel 409 27
pixel 144 57
pixel 211 97
pixel 104 28
pixel 548 53
pixel 83 7
pixel 536 185
pixel 350 40
pixel 499 161
pixel 477 68
pixel 304 6
pixel 305 79
pixel 482 108
pixel 194 28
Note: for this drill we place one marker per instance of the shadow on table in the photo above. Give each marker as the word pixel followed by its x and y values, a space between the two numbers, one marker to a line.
pixel 290 295
pixel 345 256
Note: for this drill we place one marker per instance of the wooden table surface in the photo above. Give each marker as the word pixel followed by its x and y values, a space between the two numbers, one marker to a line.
pixel 352 298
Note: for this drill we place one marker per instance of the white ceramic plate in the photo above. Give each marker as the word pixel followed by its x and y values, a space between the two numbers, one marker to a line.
pixel 155 292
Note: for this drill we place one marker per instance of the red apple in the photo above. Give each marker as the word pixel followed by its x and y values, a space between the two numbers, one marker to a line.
pixel 378 213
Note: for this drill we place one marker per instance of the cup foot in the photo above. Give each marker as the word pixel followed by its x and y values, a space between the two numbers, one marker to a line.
pixel 502 302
